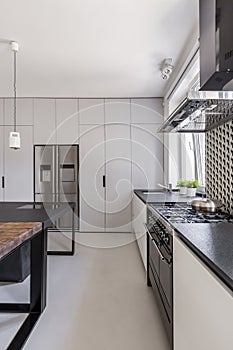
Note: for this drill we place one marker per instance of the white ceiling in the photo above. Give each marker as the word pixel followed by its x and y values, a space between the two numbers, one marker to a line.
pixel 92 48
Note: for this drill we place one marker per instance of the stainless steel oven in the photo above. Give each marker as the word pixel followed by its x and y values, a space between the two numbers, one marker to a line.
pixel 159 266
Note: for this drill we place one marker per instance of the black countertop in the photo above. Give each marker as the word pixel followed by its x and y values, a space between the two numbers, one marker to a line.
pixel 47 213
pixel 213 243
pixel 160 196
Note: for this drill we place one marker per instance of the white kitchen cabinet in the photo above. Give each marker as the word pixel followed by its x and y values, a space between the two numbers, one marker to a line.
pixel 203 306
pixel 148 110
pixel 117 111
pixel 118 177
pixel 138 220
pixel 1 112
pixel 18 168
pixel 147 156
pixel 44 121
pixel 67 121
pixel 92 170
pixel 91 111
pixel 1 163
pixel 24 108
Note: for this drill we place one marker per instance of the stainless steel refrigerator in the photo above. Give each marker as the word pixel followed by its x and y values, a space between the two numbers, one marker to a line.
pixel 56 178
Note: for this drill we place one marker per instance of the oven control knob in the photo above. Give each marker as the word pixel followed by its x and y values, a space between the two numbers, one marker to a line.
pixel 166 239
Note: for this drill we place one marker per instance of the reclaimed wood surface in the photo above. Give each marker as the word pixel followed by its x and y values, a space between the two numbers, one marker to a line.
pixel 12 234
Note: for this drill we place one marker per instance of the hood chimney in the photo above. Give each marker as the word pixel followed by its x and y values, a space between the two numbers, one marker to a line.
pixel 216 44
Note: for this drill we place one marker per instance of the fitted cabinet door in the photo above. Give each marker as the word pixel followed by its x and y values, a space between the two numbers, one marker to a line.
pixel 24 111
pixel 19 166
pixel 138 221
pixel 147 110
pixel 44 121
pixel 147 156
pixel 203 306
pixel 1 112
pixel 117 111
pixel 92 170
pixel 67 121
pixel 1 163
pixel 91 111
pixel 118 178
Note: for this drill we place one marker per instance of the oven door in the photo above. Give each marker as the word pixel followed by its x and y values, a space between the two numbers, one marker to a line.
pixel 160 277
pixel 165 276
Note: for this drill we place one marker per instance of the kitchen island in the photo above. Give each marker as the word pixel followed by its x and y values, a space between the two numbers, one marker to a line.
pixel 13 236
pixel 47 214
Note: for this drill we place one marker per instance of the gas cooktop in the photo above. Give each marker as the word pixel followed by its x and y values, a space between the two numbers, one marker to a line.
pixel 183 213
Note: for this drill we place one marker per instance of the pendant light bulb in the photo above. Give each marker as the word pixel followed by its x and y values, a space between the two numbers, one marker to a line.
pixel 14 138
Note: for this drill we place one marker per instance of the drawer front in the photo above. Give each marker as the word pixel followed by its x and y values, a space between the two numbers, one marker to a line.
pixel 165 317
pixel 166 282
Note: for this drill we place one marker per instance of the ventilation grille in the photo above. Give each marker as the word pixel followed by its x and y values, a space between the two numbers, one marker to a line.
pixel 219 164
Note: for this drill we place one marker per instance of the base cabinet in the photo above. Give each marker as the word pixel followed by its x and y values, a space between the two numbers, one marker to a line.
pixel 203 306
pixel 139 219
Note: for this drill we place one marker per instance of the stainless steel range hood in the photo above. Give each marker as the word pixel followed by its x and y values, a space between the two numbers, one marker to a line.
pixel 200 111
pixel 209 107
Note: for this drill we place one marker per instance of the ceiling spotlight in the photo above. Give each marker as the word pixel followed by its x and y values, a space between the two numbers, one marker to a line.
pixel 166 68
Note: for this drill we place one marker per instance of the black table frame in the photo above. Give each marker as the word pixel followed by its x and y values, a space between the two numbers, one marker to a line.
pixel 38 290
pixel 65 252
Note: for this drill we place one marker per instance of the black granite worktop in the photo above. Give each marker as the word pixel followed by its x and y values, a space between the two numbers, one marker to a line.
pixel 46 213
pixel 160 196
pixel 213 243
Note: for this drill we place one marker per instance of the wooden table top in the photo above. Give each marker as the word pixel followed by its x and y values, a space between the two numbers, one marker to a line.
pixel 12 234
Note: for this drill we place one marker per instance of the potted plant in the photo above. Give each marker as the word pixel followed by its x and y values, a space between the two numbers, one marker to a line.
pixel 182 184
pixel 192 188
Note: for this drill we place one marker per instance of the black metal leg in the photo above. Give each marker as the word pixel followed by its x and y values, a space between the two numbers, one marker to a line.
pixel 72 251
pixel 38 283
pixel 38 272
pixel 14 307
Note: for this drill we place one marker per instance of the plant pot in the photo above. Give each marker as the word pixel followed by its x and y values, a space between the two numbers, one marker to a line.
pixel 183 190
pixel 191 192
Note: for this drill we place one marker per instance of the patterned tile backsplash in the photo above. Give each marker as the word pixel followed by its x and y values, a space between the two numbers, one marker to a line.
pixel 219 164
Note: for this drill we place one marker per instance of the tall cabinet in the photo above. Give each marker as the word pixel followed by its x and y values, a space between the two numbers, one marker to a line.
pixel 105 165
pixel 16 165
pixel 1 164
pixel 92 170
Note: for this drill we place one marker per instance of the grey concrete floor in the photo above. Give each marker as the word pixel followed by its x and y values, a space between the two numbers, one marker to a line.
pixel 97 300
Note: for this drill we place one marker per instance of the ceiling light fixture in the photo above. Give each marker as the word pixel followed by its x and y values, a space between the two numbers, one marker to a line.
pixel 166 68
pixel 14 137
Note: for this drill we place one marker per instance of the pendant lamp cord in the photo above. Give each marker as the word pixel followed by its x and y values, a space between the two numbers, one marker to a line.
pixel 15 107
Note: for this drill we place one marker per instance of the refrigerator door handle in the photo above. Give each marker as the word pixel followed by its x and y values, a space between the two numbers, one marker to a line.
pixel 3 181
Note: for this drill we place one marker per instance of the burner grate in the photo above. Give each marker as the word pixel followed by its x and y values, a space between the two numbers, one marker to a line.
pixel 185 214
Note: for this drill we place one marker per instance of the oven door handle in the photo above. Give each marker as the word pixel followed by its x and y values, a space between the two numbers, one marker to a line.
pixel 156 246
pixel 158 250
pixel 161 255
